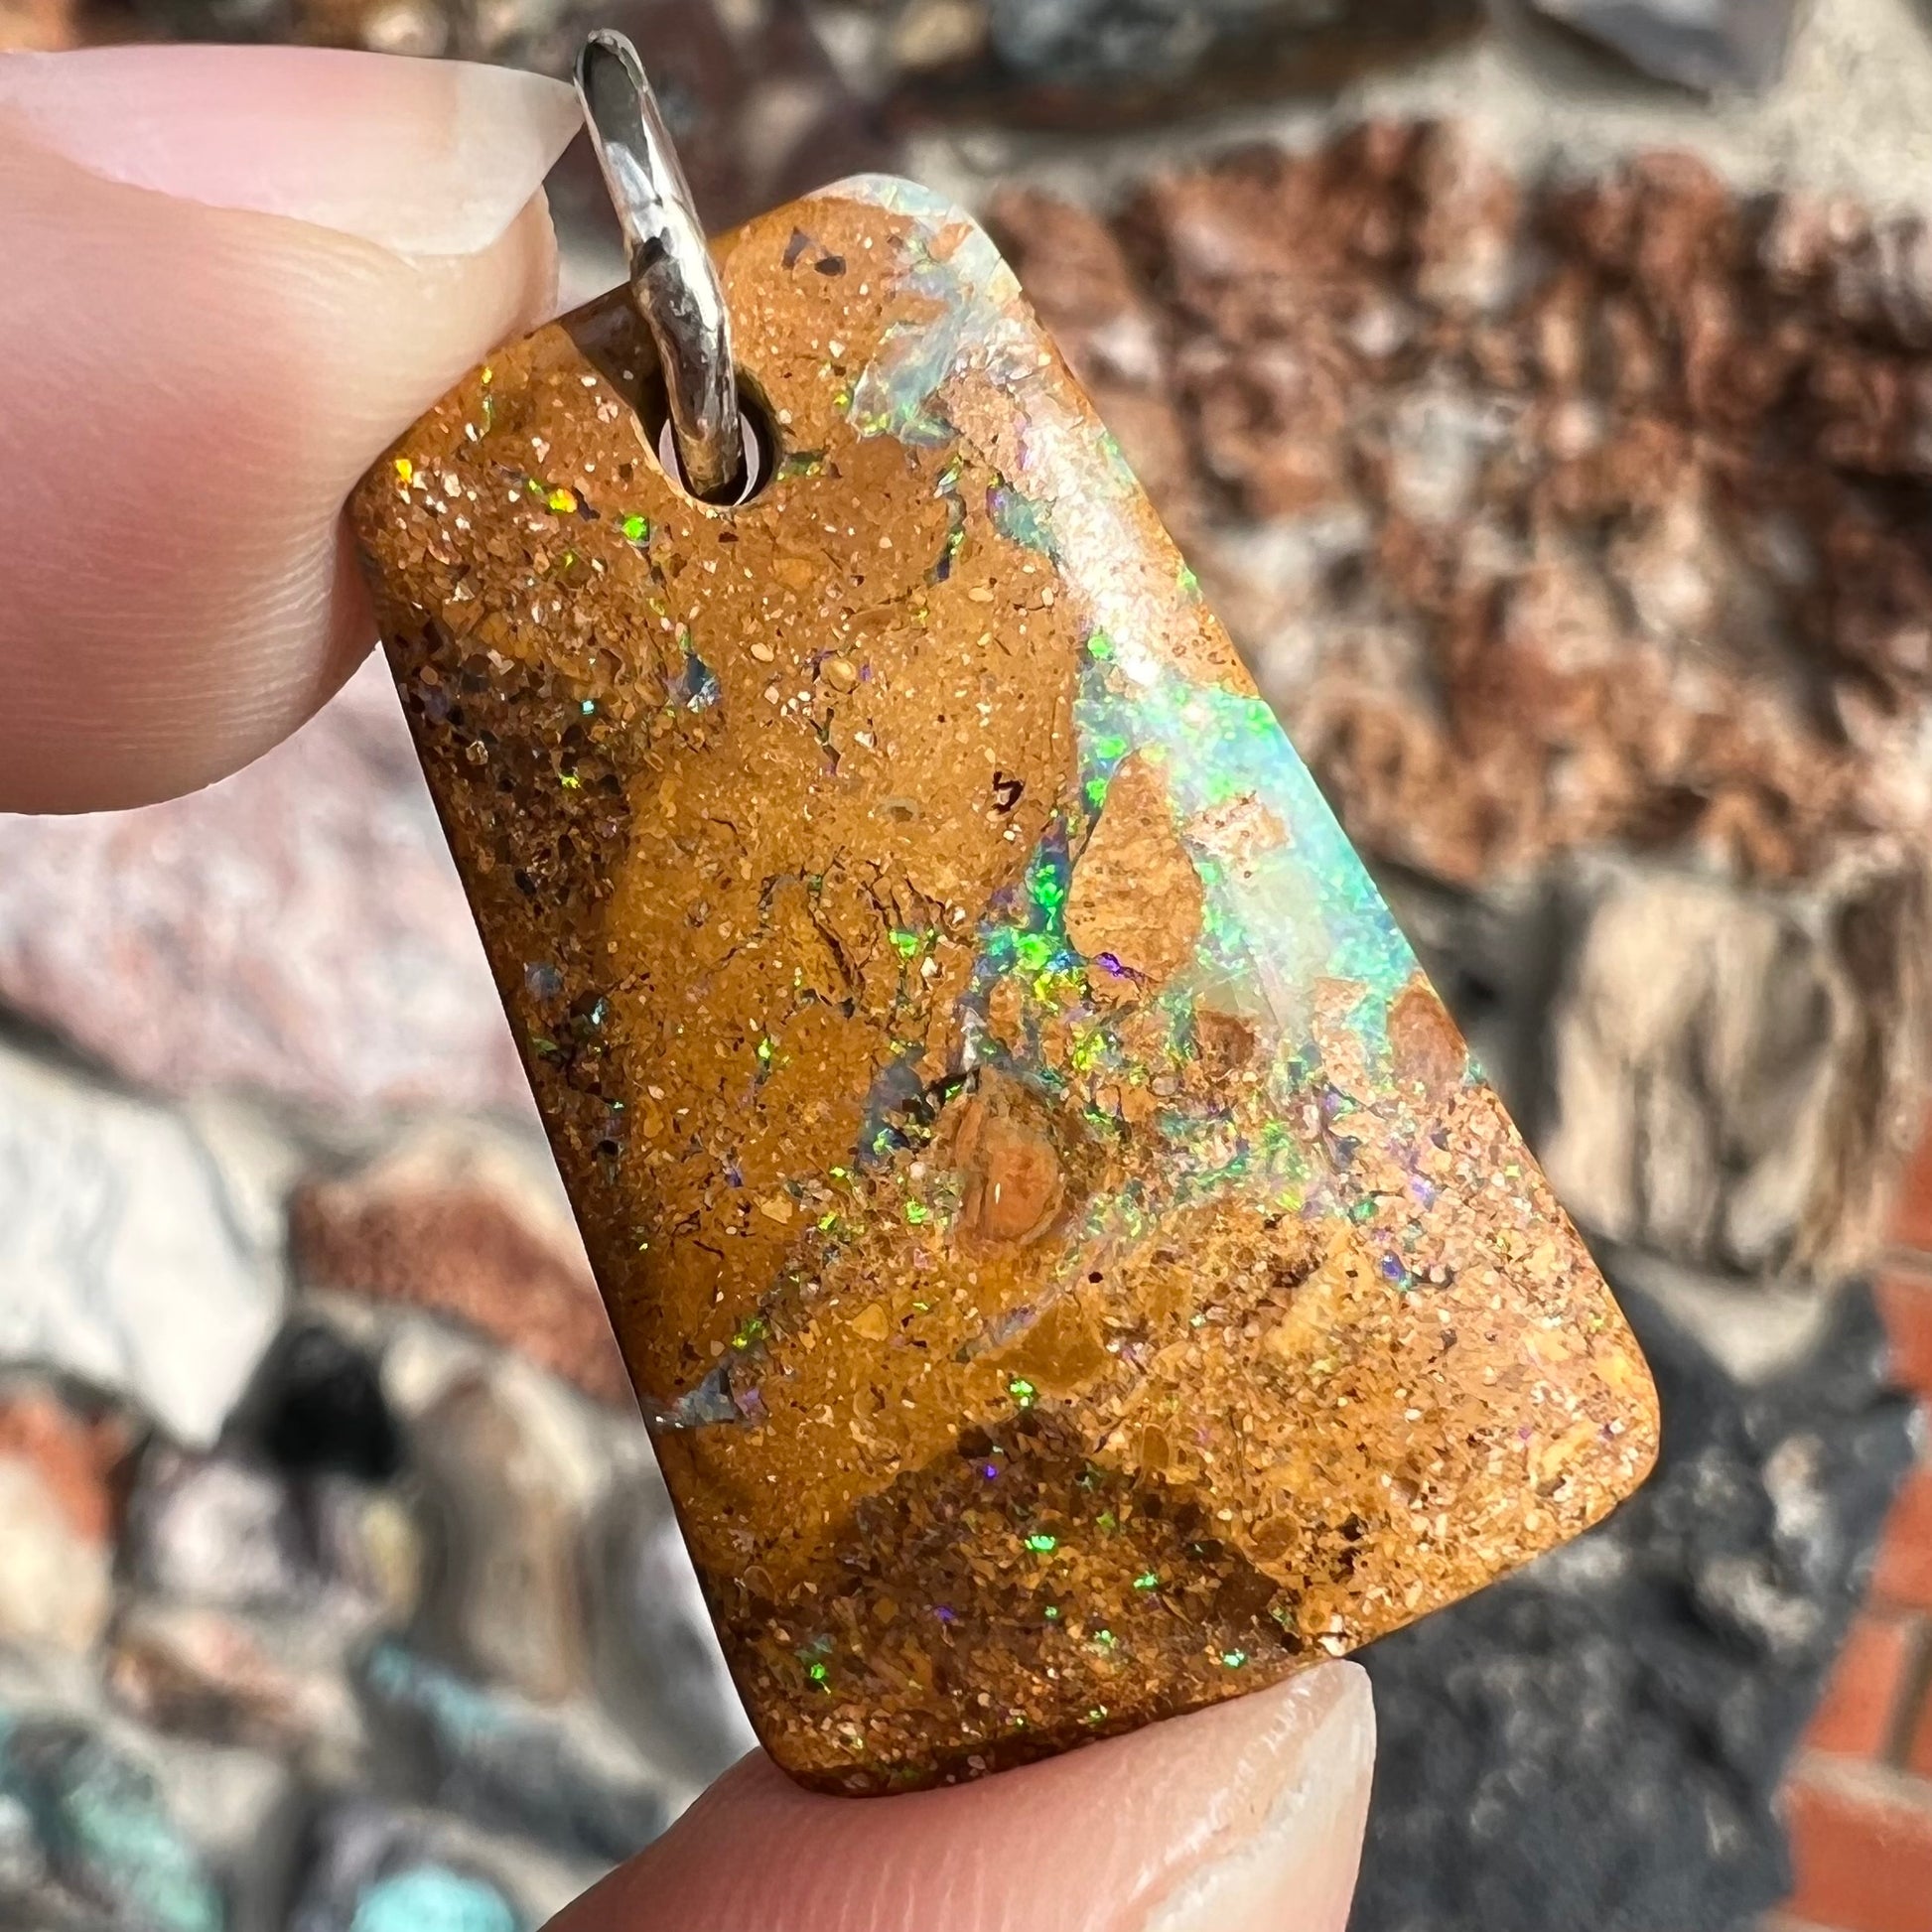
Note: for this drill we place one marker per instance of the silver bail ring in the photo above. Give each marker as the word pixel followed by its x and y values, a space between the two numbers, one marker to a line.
pixel 674 280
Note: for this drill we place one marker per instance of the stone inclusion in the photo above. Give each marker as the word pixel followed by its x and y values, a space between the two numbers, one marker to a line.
pixel 1070 1266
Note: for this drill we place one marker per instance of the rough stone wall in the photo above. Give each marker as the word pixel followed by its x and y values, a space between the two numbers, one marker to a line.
pixel 1568 493
pixel 1577 529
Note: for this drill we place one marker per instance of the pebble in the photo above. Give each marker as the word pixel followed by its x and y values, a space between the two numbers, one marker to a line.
pixel 470 1221
pixel 275 1685
pixel 660 1664
pixel 218 1530
pixel 104 1829
pixel 506 1599
pixel 561 1776
pixel 372 992
pixel 120 1249
pixel 384 1867
pixel 56 1553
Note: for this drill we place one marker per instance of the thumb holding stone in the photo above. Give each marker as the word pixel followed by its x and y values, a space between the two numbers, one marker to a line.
pixel 1244 1817
pixel 233 276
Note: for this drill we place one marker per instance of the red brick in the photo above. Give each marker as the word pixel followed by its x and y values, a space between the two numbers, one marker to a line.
pixel 1863 1854
pixel 1912 1221
pixel 1918 1747
pixel 1904 1572
pixel 1905 1300
pixel 1860 1711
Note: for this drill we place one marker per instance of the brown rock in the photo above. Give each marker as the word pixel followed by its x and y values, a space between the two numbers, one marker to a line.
pixel 1227 1043
pixel 1537 549
pixel 206 1674
pixel 506 1599
pixel 78 1459
pixel 1429 1048
pixel 1077 267
pixel 752 925
pixel 465 1224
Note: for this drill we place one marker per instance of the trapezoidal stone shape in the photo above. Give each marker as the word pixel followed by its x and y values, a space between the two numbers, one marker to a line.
pixel 1071 1267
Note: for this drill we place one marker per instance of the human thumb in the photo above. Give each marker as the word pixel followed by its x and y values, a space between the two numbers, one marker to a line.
pixel 233 276
pixel 1243 1818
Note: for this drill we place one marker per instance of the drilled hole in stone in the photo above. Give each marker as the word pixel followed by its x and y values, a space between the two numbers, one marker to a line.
pixel 756 434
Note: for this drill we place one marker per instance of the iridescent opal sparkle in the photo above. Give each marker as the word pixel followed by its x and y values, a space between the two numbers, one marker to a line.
pixel 1070 1267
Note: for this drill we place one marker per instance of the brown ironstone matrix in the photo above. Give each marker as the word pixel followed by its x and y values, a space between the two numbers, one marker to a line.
pixel 1071 1269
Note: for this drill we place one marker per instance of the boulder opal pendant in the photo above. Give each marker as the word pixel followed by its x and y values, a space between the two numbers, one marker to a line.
pixel 1071 1269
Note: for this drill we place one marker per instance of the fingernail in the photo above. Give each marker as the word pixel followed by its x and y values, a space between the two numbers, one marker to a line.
pixel 1286 1857
pixel 421 157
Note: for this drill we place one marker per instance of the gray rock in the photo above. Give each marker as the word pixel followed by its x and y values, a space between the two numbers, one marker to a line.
pixel 216 1530
pixel 1710 45
pixel 1600 1740
pixel 104 1831
pixel 229 1532
pixel 1097 63
pixel 297 929
pixel 1090 42
pixel 124 1260
pixel 23 1865
pixel 562 1777
pixel 659 1667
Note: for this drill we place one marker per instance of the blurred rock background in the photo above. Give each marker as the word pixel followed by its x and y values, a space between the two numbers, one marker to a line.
pixel 1544 393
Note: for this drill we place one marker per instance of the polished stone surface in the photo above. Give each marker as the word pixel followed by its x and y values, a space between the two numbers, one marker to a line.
pixel 1072 1267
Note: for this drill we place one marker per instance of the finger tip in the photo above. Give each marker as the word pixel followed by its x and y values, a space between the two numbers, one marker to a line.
pixel 421 157
pixel 267 360
pixel 538 110
pixel 1246 1817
